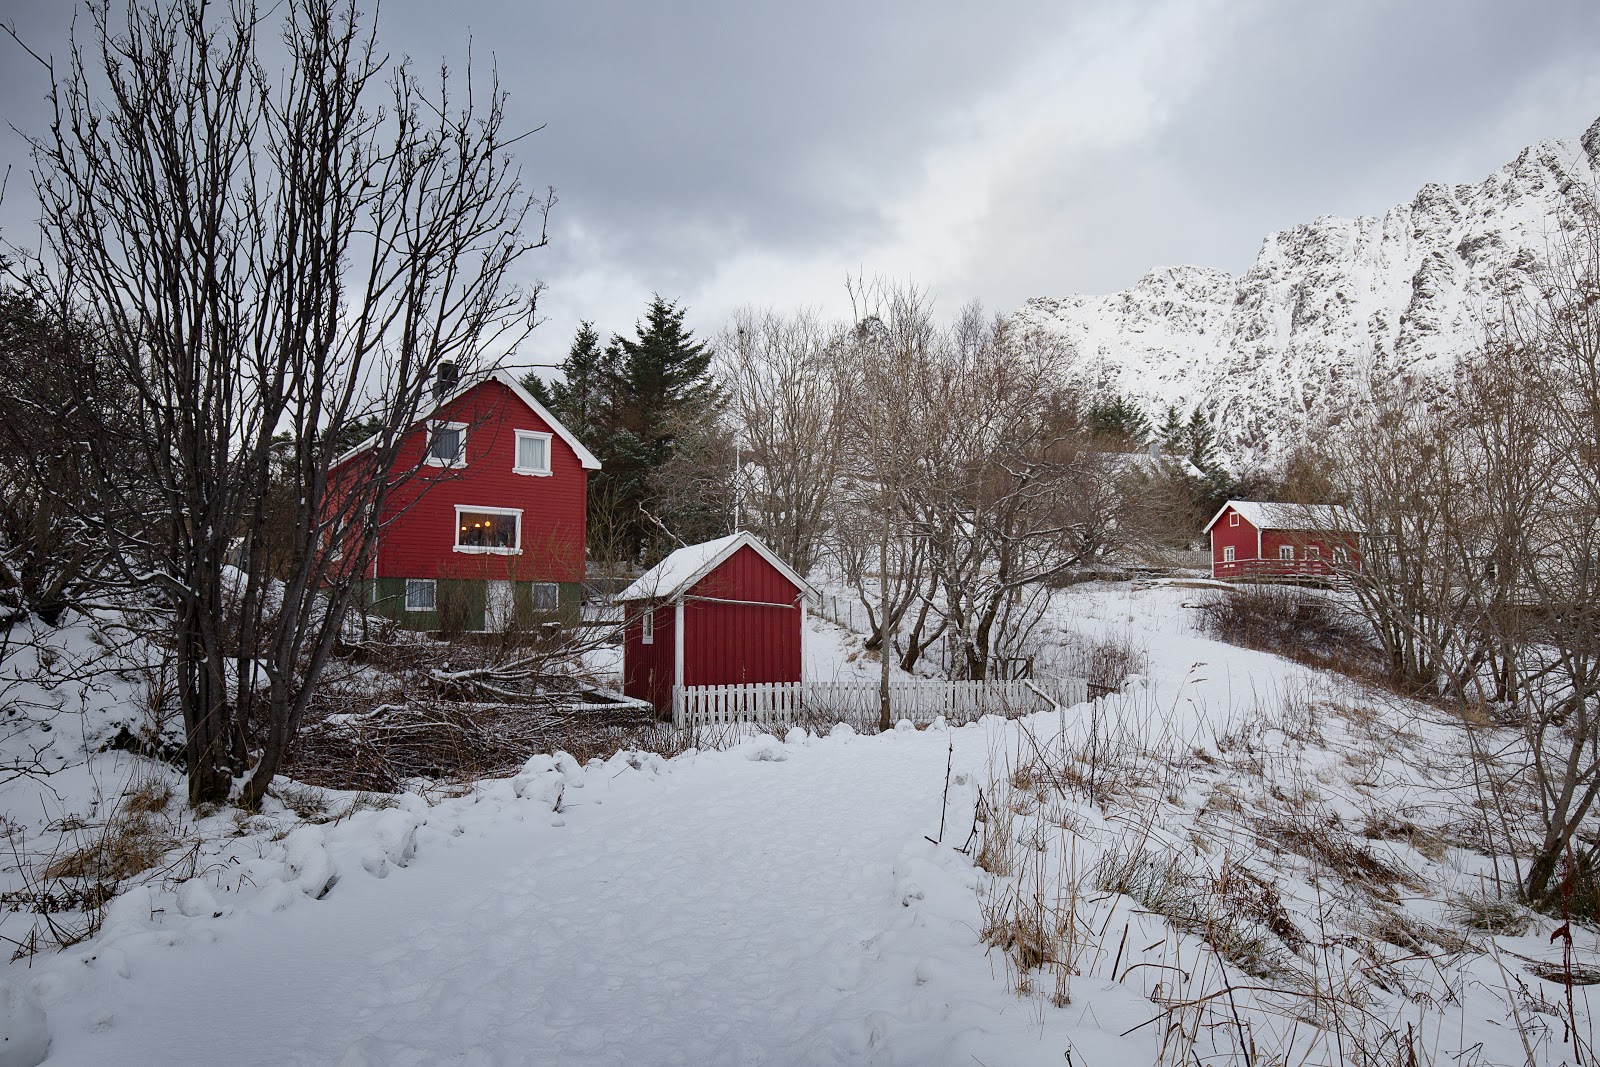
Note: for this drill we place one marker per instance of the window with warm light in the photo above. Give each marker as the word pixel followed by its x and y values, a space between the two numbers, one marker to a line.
pixel 488 530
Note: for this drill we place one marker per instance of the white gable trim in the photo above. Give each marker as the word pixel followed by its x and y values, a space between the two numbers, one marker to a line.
pixel 1218 515
pixel 504 377
pixel 645 588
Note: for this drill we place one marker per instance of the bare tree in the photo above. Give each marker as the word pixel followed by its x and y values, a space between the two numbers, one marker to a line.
pixel 783 383
pixel 49 561
pixel 891 344
pixel 1007 497
pixel 266 257
pixel 1545 409
pixel 1397 469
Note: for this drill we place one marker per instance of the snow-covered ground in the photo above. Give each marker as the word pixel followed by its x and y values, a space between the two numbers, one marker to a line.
pixel 782 902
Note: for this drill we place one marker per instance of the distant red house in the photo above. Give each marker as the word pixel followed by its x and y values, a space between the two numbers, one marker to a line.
pixel 1253 539
pixel 724 612
pixel 485 524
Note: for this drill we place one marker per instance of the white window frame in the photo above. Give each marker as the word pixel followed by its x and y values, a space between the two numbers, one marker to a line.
pixel 416 585
pixel 1285 552
pixel 484 550
pixel 516 453
pixel 534 587
pixel 1341 554
pixel 1313 552
pixel 461 445
pixel 647 627
pixel 1233 518
pixel 1227 554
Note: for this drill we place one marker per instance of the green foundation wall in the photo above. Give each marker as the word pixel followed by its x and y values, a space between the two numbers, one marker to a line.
pixel 459 603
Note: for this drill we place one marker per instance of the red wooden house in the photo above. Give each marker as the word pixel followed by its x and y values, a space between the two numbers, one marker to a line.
pixel 1252 539
pixel 485 524
pixel 724 612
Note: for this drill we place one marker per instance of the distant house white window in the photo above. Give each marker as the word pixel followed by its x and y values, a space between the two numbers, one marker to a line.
pixel 1227 554
pixel 491 530
pixel 1286 552
pixel 1341 554
pixel 647 628
pixel 1313 552
pixel 544 596
pixel 447 444
pixel 420 594
pixel 1233 518
pixel 533 453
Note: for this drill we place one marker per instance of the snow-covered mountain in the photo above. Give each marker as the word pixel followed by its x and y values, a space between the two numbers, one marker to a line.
pixel 1328 305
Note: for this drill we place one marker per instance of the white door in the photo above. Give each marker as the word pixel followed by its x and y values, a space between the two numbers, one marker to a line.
pixel 497 606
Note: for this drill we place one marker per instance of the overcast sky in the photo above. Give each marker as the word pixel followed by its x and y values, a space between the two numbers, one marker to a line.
pixel 737 153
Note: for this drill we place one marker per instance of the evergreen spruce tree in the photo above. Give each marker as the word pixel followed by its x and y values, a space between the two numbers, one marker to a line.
pixel 1119 420
pixel 1200 442
pixel 1172 435
pixel 631 403
pixel 580 399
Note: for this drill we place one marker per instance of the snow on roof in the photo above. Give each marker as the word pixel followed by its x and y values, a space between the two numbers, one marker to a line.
pixel 585 457
pixel 1153 462
pixel 1264 515
pixel 675 575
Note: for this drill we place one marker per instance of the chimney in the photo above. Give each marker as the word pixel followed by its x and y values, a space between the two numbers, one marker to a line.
pixel 444 382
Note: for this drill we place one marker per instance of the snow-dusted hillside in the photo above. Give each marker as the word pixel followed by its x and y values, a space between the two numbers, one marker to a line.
pixel 1328 304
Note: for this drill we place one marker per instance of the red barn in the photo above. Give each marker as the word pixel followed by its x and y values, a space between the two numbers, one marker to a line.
pixel 1252 539
pixel 724 612
pixel 485 524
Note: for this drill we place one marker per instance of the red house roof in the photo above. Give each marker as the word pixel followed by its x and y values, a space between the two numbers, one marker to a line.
pixel 585 457
pixel 1271 516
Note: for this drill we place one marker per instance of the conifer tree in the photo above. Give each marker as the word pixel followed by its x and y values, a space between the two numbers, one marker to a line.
pixel 631 403
pixel 583 395
pixel 1200 439
pixel 1173 436
pixel 1119 419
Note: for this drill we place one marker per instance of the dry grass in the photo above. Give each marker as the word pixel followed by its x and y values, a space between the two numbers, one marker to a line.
pixel 1490 915
pixel 1330 849
pixel 127 846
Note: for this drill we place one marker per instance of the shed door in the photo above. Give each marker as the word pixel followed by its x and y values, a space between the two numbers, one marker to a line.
pixel 497 605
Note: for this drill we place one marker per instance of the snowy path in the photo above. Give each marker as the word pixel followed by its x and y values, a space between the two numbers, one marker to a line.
pixel 732 910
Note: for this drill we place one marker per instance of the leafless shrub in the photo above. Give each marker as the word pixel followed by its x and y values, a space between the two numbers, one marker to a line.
pixel 1105 662
pixel 1295 624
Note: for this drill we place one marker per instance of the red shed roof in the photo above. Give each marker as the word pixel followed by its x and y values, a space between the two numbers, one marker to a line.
pixel 678 573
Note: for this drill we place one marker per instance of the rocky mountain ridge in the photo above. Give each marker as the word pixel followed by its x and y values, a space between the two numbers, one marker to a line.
pixel 1330 305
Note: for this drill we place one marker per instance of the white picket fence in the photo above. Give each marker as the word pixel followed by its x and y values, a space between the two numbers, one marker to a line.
pixel 920 701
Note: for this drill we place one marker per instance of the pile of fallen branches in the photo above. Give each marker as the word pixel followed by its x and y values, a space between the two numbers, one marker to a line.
pixel 390 745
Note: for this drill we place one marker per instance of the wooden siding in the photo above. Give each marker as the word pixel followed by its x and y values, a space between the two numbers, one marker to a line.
pixel 727 643
pixel 648 669
pixel 420 540
pixel 741 624
pixel 1248 562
